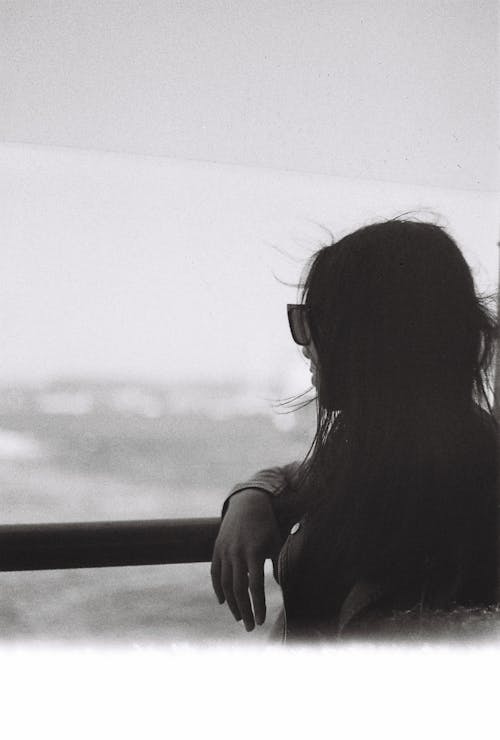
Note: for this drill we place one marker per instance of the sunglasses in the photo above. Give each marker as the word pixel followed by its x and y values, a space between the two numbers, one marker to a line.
pixel 298 320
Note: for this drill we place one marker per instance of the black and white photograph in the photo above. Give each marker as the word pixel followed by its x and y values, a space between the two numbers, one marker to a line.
pixel 249 401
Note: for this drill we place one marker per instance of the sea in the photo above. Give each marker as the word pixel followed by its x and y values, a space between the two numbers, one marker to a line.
pixel 94 451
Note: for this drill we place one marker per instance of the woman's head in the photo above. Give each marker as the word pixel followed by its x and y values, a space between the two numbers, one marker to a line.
pixel 395 319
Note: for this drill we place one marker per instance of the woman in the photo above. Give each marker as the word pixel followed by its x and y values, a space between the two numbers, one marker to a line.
pixel 391 516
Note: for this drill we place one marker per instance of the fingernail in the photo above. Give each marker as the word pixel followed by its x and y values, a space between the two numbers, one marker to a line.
pixel 249 627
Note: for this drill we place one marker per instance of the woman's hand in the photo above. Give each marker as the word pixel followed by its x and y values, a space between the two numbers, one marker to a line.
pixel 248 536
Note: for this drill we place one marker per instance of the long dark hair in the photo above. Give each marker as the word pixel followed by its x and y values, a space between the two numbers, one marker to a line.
pixel 404 436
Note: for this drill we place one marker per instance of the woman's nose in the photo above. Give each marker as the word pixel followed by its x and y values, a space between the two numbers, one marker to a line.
pixel 306 353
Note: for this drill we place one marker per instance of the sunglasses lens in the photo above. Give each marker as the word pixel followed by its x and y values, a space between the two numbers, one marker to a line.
pixel 298 324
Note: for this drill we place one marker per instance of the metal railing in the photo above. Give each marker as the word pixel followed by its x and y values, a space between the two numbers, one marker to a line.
pixel 106 544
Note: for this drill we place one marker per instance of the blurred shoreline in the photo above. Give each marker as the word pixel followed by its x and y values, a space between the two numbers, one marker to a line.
pixel 83 451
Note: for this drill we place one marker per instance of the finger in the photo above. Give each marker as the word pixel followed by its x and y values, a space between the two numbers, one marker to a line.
pixel 240 581
pixel 276 569
pixel 256 586
pixel 215 572
pixel 227 588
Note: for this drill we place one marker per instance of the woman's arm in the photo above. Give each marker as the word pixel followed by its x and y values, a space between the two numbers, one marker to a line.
pixel 255 523
pixel 281 485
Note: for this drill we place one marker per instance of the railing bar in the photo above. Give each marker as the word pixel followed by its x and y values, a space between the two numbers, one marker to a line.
pixel 106 544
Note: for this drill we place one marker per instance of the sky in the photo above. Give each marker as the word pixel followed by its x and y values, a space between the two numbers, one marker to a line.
pixel 140 267
pixel 393 90
pixel 385 89
pixel 158 159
